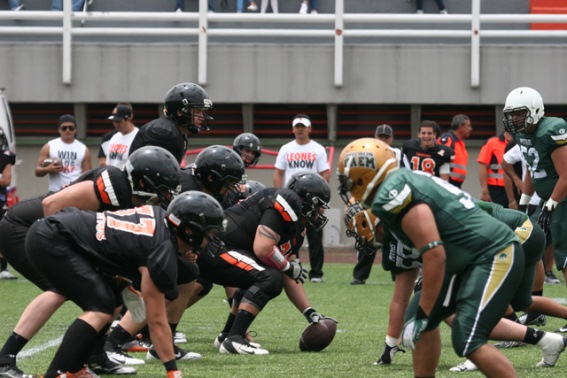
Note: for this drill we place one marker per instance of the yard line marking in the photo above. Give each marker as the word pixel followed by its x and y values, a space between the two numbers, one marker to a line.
pixel 40 348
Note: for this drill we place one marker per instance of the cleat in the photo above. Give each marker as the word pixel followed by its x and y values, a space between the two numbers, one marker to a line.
pixel 8 368
pixel 388 355
pixel 562 329
pixel 137 345
pixel 6 275
pixel 101 364
pixel 122 358
pixel 509 344
pixel 220 338
pixel 552 345
pixel 180 354
pixel 239 345
pixel 468 365
pixel 83 373
pixel 532 319
pixel 316 279
pixel 179 338
pixel 551 279
pixel 356 281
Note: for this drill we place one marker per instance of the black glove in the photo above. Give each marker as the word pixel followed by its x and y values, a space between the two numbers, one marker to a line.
pixel 296 271
pixel 388 355
pixel 523 208
pixel 544 219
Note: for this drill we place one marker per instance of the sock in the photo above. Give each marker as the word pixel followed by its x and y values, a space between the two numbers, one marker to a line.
pixel 14 344
pixel 3 264
pixel 97 347
pixel 173 327
pixel 229 323
pixel 513 317
pixel 117 338
pixel 145 333
pixel 229 301
pixel 391 341
pixel 73 351
pixel 533 336
pixel 241 323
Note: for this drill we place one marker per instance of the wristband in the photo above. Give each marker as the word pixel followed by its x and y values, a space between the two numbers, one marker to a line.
pixel 551 204
pixel 431 245
pixel 525 199
pixel 276 260
pixel 170 365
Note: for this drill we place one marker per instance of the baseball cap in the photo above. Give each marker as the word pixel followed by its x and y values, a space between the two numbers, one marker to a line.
pixel 120 112
pixel 67 118
pixel 384 130
pixel 301 119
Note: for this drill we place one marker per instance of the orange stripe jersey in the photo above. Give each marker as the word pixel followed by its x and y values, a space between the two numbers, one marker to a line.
pixel 111 186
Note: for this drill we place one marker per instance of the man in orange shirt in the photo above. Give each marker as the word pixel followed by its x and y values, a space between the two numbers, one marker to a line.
pixel 460 130
pixel 490 172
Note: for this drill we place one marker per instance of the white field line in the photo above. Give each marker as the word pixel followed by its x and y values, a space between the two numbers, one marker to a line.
pixel 40 348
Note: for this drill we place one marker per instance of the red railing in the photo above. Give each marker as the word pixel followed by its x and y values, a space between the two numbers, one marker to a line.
pixel 330 156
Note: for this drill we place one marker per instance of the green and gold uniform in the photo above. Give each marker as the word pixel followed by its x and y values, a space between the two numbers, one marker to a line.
pixel 537 147
pixel 484 263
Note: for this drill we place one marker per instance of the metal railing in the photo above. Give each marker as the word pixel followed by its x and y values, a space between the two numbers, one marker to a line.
pixel 337 29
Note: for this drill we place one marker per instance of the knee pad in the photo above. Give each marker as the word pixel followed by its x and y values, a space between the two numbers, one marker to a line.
pixel 268 287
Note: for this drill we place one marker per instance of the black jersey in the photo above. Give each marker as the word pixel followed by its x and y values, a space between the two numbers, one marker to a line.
pixel 429 160
pixel 279 209
pixel 161 132
pixel 110 184
pixel 6 157
pixel 119 242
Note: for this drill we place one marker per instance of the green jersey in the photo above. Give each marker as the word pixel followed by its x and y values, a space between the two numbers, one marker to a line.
pixel 513 218
pixel 470 235
pixel 537 147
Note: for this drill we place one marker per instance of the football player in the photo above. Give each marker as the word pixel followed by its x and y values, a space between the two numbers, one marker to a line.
pixel 269 227
pixel 185 109
pixel 424 154
pixel 136 244
pixel 543 142
pixel 249 147
pixel 459 263
pixel 151 174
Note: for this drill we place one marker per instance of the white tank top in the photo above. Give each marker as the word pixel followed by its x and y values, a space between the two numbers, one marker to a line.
pixel 71 156
pixel 119 148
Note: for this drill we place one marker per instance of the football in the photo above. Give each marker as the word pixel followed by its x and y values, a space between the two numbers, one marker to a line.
pixel 317 336
pixel 48 161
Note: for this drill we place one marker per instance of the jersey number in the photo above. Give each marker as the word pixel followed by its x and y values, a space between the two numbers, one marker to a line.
pixel 532 153
pixel 427 165
pixel 146 226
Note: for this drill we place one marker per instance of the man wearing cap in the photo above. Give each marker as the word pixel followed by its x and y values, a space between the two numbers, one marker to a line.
pixel 300 155
pixel 119 144
pixel 455 138
pixel 63 158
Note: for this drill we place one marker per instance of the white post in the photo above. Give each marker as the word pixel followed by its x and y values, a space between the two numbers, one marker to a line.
pixel 203 41
pixel 475 44
pixel 67 42
pixel 339 41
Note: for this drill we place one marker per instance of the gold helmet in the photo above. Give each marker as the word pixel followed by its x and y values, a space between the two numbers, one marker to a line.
pixel 361 225
pixel 363 165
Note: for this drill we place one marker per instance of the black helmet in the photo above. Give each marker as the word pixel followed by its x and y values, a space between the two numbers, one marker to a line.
pixel 246 189
pixel 249 141
pixel 153 173
pixel 192 214
pixel 184 98
pixel 315 194
pixel 219 167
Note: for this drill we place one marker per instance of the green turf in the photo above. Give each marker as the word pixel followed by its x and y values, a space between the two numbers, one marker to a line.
pixel 362 312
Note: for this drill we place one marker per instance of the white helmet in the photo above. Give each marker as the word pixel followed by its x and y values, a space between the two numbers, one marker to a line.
pixel 522 99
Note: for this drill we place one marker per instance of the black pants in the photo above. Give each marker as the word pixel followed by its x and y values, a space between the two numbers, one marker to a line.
pixel 316 252
pixel 498 195
pixel 365 259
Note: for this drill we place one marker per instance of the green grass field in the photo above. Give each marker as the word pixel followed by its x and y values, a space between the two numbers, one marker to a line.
pixel 362 312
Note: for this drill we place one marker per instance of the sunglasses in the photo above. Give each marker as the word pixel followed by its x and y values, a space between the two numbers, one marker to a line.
pixel 67 128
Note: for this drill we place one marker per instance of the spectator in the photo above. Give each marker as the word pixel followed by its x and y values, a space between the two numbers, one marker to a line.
pixel 64 158
pixel 179 5
pixel 103 148
pixel 460 130
pixel 273 3
pixel 424 154
pixel 119 144
pixel 240 6
pixel 490 172
pixel 15 5
pixel 7 160
pixel 78 5
pixel 307 5
pixel 440 5
pixel 300 155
